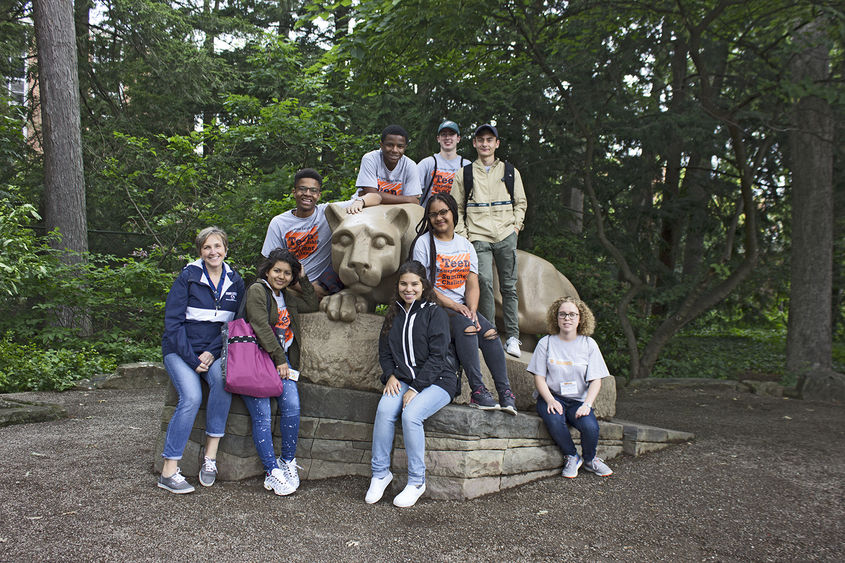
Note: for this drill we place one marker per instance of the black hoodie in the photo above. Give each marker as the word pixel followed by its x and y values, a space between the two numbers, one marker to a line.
pixel 416 350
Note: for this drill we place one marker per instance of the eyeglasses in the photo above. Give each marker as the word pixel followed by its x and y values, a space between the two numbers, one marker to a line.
pixel 565 316
pixel 306 189
pixel 435 214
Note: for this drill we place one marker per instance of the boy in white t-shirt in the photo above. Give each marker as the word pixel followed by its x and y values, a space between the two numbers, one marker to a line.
pixel 305 232
pixel 438 170
pixel 388 171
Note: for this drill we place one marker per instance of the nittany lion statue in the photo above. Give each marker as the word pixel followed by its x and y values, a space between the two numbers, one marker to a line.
pixel 369 247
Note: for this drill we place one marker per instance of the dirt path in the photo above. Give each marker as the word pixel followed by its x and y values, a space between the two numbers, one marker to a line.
pixel 763 481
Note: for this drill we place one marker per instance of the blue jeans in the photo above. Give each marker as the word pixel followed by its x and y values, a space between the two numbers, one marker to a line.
pixel 466 349
pixel 187 384
pixel 558 426
pixel 426 403
pixel 262 426
pixel 504 254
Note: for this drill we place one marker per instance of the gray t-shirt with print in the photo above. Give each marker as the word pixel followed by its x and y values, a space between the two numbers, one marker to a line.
pixel 402 180
pixel 568 367
pixel 437 174
pixel 307 238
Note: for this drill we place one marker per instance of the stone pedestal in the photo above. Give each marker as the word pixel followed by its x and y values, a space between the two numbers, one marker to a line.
pixel 340 354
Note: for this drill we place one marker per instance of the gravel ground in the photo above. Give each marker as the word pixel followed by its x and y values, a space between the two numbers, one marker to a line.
pixel 763 481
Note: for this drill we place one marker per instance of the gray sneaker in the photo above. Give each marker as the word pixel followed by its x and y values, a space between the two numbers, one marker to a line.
pixel 208 472
pixel 482 399
pixel 175 483
pixel 507 402
pixel 598 466
pixel 289 468
pixel 573 462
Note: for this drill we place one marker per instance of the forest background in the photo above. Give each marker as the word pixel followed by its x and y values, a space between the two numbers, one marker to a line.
pixel 672 152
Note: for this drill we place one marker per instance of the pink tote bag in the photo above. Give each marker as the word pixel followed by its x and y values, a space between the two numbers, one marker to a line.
pixel 247 368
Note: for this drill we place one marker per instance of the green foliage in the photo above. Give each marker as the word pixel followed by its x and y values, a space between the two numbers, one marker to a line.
pixel 725 354
pixel 122 298
pixel 20 251
pixel 629 99
pixel 29 367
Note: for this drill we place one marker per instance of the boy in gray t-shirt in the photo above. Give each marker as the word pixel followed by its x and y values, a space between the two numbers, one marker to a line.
pixel 438 170
pixel 305 231
pixel 388 171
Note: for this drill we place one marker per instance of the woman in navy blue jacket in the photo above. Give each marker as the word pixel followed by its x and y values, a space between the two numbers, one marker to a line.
pixel 419 376
pixel 206 294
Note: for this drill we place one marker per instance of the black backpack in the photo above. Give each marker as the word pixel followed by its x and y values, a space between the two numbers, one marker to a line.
pixel 508 180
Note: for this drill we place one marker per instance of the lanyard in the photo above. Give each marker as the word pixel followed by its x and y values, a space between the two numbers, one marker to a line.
pixel 217 291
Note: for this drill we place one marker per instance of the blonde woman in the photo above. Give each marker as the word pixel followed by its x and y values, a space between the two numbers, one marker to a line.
pixel 568 368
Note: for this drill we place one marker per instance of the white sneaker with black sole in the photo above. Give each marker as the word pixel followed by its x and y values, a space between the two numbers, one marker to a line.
pixel 275 481
pixel 289 468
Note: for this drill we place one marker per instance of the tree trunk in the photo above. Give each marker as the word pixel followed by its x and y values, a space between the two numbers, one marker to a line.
pixel 809 336
pixel 64 184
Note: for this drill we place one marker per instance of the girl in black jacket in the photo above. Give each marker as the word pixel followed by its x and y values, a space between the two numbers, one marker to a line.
pixel 419 376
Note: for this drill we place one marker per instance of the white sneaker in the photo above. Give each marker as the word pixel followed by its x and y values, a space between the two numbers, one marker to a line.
pixel 377 487
pixel 409 496
pixel 276 482
pixel 289 469
pixel 512 347
pixel 573 462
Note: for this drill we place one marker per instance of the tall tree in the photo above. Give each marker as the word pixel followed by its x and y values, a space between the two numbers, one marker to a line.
pixel 809 335
pixel 64 184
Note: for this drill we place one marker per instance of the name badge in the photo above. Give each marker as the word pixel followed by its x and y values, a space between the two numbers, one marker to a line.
pixel 567 387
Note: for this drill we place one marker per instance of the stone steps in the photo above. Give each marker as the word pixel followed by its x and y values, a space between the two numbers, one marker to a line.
pixel 469 452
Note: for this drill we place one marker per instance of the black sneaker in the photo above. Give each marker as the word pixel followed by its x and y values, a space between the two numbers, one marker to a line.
pixel 507 402
pixel 482 399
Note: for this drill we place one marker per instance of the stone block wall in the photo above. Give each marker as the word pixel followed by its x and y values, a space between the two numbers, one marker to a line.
pixel 468 452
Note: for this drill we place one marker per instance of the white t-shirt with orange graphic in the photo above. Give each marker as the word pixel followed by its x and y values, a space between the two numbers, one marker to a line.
pixel 440 173
pixel 308 238
pixel 454 262
pixel 282 327
pixel 402 180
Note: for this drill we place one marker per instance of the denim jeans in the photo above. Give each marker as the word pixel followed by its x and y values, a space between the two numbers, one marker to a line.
pixel 504 254
pixel 262 426
pixel 558 426
pixel 466 349
pixel 187 384
pixel 426 403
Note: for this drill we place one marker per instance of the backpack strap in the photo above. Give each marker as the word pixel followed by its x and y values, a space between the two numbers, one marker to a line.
pixel 509 179
pixel 430 181
pixel 467 184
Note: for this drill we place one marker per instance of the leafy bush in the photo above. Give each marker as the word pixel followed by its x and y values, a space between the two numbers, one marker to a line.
pixel 121 298
pixel 28 367
pixel 725 354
